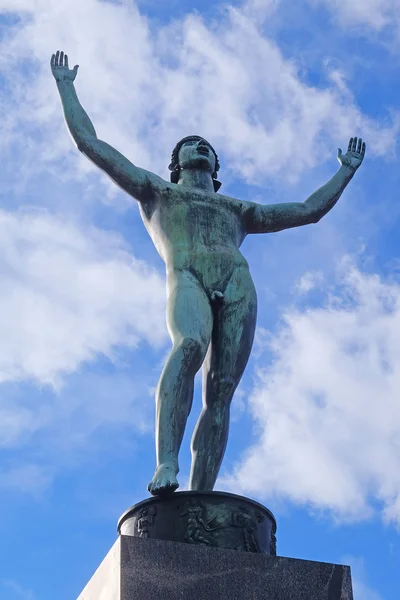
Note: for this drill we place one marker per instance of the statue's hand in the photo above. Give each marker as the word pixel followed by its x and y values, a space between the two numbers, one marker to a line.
pixel 59 67
pixel 354 155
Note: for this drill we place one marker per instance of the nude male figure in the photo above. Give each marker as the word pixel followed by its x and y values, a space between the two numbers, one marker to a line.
pixel 212 303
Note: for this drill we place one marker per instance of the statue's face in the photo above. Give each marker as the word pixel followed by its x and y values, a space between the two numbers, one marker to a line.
pixel 196 154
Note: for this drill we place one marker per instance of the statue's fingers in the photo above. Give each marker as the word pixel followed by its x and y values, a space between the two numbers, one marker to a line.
pixel 363 149
pixel 61 59
pixel 57 56
pixel 339 152
pixel 53 58
pixel 359 146
pixel 354 148
pixel 66 60
pixel 350 145
pixel 76 67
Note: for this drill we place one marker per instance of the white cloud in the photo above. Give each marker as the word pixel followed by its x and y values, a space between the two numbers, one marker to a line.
pixel 326 407
pixel 373 14
pixel 145 89
pixel 68 295
pixel 94 418
pixel 75 415
pixel 309 281
pixel 260 9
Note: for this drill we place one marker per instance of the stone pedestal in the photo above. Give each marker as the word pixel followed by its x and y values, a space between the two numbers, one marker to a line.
pixel 217 519
pixel 150 569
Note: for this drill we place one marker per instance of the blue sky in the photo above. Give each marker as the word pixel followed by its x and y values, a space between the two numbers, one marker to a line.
pixel 276 87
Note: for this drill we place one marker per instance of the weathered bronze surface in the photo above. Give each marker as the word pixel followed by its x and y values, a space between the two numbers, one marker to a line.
pixel 212 303
pixel 215 519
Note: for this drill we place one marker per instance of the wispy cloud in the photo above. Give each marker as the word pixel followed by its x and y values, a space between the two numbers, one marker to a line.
pixel 326 407
pixel 95 416
pixel 70 294
pixel 372 14
pixel 28 478
pixel 309 281
pixel 227 80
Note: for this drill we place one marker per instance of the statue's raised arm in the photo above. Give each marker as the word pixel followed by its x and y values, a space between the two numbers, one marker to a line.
pixel 211 298
pixel 275 217
pixel 139 183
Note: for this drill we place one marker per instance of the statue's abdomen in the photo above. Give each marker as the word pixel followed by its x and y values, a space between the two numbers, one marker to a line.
pixel 199 237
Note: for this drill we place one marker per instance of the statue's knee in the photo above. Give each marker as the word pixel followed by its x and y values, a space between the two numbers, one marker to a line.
pixel 222 388
pixel 193 349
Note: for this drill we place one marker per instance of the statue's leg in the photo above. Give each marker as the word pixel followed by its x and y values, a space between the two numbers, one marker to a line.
pixel 231 342
pixel 189 320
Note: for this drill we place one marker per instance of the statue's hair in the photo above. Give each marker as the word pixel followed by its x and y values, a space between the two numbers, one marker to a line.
pixel 175 168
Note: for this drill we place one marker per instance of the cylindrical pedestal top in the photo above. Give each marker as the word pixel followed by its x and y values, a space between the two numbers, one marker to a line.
pixel 216 519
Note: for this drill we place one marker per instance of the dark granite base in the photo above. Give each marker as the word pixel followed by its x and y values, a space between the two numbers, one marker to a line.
pixel 145 569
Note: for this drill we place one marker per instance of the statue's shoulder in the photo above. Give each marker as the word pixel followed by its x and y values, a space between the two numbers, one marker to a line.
pixel 158 184
pixel 157 190
pixel 168 189
pixel 242 206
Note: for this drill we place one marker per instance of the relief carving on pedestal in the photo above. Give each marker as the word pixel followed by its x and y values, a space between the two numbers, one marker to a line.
pixel 244 520
pixel 146 519
pixel 197 528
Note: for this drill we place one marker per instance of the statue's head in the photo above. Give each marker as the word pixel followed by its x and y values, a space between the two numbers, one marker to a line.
pixel 194 151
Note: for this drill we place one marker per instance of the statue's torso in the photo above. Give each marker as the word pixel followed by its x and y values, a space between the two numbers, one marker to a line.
pixel 197 231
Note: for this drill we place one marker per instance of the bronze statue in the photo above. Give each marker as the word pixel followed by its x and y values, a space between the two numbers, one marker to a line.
pixel 212 303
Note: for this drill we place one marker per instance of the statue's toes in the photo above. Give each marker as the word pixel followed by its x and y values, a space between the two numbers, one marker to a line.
pixel 167 487
pixel 163 482
pixel 172 486
pixel 152 487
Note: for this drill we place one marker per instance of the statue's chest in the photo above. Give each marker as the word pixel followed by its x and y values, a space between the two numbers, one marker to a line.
pixel 202 208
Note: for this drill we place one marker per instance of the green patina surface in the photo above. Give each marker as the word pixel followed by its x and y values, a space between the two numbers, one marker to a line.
pixel 212 303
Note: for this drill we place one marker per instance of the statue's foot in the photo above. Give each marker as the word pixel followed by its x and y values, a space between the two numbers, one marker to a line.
pixel 164 480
